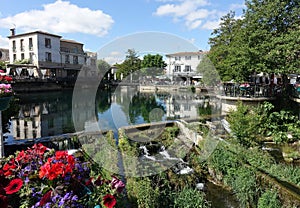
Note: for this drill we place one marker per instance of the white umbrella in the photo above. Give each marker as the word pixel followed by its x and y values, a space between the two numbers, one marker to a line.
pixel 30 71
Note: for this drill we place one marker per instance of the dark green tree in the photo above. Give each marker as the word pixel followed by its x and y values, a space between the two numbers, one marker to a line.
pixel 266 39
pixel 153 65
pixel 132 63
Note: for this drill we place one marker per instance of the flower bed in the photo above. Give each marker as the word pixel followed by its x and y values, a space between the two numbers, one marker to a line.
pixel 42 177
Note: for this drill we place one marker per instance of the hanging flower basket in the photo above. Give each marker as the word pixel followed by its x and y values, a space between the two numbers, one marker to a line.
pixel 4 103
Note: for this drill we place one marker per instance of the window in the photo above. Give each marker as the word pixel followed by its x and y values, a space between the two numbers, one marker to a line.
pixel 177 68
pixel 187 68
pixel 22 44
pixel 177 58
pixel 15 57
pixel 47 42
pixel 30 44
pixel 67 59
pixel 75 59
pixel 48 57
pixel 22 56
pixel 199 57
pixel 75 50
pixel 188 58
pixel 31 57
pixel 14 46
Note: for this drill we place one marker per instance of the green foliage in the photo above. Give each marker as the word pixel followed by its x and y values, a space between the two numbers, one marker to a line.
pixel 168 136
pixel 125 145
pixel 190 198
pixel 266 39
pixel 131 64
pixel 269 199
pixel 103 66
pixel 2 65
pixel 152 65
pixel 208 71
pixel 250 124
pixel 243 182
pixel 244 124
pixel 141 193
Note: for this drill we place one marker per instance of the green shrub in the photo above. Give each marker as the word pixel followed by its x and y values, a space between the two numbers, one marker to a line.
pixel 190 198
pixel 269 199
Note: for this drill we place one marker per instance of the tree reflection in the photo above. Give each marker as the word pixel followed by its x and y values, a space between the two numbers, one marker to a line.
pixel 148 106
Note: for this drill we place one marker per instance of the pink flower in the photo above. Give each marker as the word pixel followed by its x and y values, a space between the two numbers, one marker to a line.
pixel 117 184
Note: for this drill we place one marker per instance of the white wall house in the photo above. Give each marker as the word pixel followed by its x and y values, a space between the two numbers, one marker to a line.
pixel 183 66
pixel 42 54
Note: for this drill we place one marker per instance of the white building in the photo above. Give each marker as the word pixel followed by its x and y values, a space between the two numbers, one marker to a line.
pixel 182 66
pixel 42 54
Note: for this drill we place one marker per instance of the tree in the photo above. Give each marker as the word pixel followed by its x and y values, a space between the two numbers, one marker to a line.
pixel 153 65
pixel 103 66
pixel 208 72
pixel 265 39
pixel 131 63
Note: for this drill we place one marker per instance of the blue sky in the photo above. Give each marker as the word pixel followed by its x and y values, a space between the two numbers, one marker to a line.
pixel 96 23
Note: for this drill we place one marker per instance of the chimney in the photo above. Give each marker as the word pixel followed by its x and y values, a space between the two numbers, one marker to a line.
pixel 12 31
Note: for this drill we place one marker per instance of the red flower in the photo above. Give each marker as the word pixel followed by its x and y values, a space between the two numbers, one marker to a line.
pixel 45 169
pixel 14 186
pixel 109 201
pixel 3 201
pixel 61 155
pixel 39 148
pixel 46 198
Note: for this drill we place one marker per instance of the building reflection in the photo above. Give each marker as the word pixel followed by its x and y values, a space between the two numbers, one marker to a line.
pixel 49 114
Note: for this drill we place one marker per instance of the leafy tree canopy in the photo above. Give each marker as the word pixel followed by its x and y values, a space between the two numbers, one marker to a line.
pixel 153 65
pixel 131 63
pixel 103 66
pixel 265 39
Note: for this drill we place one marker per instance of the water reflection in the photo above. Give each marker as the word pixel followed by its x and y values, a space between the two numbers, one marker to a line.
pixel 48 114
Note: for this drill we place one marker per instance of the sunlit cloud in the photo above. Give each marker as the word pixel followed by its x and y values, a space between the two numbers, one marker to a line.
pixel 193 13
pixel 114 57
pixel 210 25
pixel 61 17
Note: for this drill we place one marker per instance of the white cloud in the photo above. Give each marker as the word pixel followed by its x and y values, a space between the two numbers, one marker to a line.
pixel 210 25
pixel 182 9
pixel 194 24
pixel 3 42
pixel 237 6
pixel 114 57
pixel 61 17
pixel 194 13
